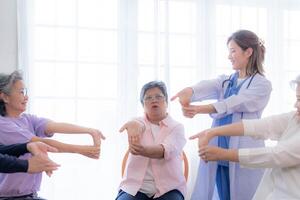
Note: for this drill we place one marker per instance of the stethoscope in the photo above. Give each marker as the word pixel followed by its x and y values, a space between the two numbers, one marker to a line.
pixel 230 81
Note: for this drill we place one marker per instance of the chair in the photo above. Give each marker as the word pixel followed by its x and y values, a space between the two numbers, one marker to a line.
pixel 184 159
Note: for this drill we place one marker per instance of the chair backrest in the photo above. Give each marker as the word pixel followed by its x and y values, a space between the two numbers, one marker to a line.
pixel 184 160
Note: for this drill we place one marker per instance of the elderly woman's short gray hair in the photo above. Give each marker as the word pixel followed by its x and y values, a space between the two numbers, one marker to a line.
pixel 294 83
pixel 6 83
pixel 153 84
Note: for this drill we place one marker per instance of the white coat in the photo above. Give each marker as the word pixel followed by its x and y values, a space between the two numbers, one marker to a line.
pixel 249 103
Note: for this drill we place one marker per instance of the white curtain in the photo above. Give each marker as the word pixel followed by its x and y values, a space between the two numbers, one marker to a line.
pixel 86 60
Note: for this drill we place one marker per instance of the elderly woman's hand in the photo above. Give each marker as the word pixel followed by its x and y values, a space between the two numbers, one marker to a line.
pixel 213 153
pixel 137 149
pixel 40 151
pixel 89 151
pixel 203 138
pixel 41 162
pixel 36 148
pixel 134 130
pixel 97 136
pixel 150 151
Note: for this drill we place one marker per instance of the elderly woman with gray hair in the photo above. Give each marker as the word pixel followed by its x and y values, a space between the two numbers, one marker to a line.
pixel 281 178
pixel 154 167
pixel 19 127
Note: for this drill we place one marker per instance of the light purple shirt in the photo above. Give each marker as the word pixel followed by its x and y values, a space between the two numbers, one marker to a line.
pixel 20 130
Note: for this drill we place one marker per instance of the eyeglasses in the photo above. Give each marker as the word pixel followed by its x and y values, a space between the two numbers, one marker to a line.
pixel 152 98
pixel 22 91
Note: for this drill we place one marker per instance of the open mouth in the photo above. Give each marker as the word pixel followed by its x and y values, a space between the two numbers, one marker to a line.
pixel 154 106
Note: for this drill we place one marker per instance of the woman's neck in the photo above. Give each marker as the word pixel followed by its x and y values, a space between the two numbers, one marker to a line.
pixel 156 119
pixel 242 74
pixel 13 114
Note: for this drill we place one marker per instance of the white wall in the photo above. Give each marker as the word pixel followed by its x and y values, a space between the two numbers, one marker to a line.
pixel 8 35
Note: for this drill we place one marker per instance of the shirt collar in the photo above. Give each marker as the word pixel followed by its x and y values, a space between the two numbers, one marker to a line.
pixel 167 121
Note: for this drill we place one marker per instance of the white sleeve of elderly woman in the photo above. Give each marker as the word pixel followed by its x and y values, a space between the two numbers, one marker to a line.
pixel 267 128
pixel 280 127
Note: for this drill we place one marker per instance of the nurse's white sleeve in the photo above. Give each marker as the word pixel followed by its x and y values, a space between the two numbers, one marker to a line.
pixel 252 99
pixel 208 89
pixel 267 128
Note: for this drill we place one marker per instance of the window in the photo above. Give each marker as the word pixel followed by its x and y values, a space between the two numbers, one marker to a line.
pixel 88 60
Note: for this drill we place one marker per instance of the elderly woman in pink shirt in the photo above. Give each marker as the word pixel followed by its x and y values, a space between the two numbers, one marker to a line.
pixel 154 167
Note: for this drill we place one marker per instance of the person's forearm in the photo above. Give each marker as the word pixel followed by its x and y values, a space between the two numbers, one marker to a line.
pixel 14 149
pixel 231 155
pixel 57 127
pixel 10 164
pixel 206 109
pixel 61 147
pixel 235 129
pixel 155 151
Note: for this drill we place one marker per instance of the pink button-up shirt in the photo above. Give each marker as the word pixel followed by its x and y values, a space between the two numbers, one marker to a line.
pixel 167 172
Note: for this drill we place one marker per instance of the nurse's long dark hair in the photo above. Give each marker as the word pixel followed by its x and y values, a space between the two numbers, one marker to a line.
pixel 247 39
pixel 6 82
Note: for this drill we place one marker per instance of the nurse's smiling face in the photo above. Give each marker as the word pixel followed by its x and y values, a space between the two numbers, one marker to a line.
pixel 237 56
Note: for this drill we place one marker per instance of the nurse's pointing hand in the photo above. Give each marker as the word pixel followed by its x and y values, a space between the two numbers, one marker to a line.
pixel 184 96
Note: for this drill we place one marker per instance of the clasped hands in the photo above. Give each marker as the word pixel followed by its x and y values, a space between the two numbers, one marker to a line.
pixel 136 128
pixel 184 97
pixel 40 161
pixel 205 151
pixel 94 151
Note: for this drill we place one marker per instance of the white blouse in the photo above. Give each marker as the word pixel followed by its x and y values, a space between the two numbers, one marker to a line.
pixel 282 178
